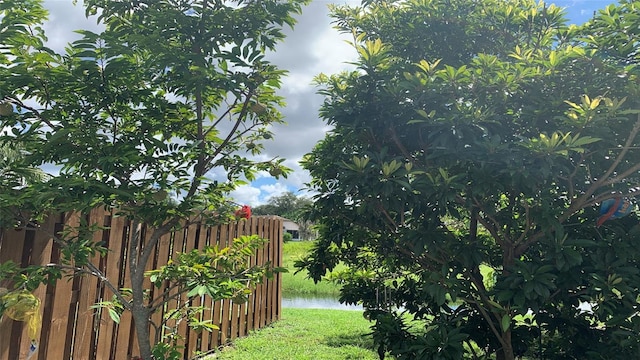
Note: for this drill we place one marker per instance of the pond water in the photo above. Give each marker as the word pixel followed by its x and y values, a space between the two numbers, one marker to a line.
pixel 311 302
pixel 315 302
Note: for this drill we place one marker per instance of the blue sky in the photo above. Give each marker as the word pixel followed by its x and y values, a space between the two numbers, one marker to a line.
pixel 313 47
pixel 579 11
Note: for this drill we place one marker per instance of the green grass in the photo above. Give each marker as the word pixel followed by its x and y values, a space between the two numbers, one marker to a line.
pixel 298 284
pixel 306 334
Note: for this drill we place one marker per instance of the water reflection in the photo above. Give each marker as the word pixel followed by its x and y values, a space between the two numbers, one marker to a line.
pixel 304 302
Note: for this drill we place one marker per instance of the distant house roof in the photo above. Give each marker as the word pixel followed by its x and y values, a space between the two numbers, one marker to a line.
pixel 290 225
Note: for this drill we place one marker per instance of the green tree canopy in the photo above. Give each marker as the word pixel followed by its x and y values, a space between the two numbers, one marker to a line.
pixel 292 207
pixel 287 205
pixel 471 149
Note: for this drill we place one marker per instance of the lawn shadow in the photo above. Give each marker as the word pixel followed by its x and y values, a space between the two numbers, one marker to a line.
pixel 361 340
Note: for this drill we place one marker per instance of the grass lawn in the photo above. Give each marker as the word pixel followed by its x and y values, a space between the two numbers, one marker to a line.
pixel 299 284
pixel 306 334
pixel 313 334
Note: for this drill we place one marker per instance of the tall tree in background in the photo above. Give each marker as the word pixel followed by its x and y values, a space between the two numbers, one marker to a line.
pixel 292 207
pixel 145 112
pixel 287 205
pixel 471 151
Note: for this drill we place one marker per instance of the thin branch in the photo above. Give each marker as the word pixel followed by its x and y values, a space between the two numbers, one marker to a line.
pixel 157 333
pixel 492 225
pixel 175 296
pixel 480 286
pixel 161 298
pixel 491 228
pixel 225 142
pixel 33 110
pixel 595 200
pixel 527 227
pixel 94 271
pixel 149 247
pixel 569 179
pixel 473 225
pixel 487 318
pixel 622 176
pixel 610 195
pixel 473 351
pixel 604 180
pixel 184 305
pixel 108 283
pixel 520 249
pixel 392 224
pixel 221 117
pixel 398 143
pixel 419 258
pixel 243 132
pixel 620 157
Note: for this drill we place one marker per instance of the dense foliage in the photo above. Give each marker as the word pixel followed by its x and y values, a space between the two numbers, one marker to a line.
pixel 293 207
pixel 289 206
pixel 470 152
pixel 158 114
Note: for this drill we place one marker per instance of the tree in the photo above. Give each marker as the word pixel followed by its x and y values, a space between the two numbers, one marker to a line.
pixel 287 205
pixel 292 207
pixel 138 116
pixel 471 149
pixel 13 178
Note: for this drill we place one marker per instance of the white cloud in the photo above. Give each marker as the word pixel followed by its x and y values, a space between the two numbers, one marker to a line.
pixel 247 194
pixel 258 195
pixel 296 83
pixel 273 190
pixel 64 19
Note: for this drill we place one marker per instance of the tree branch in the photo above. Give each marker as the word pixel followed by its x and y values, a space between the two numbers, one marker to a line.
pixel 34 111
pixel 225 142
pixel 94 271
pixel 604 180
pixel 491 226
pixel 527 226
pixel 488 319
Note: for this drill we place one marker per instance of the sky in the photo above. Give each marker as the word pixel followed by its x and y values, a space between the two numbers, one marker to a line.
pixel 311 48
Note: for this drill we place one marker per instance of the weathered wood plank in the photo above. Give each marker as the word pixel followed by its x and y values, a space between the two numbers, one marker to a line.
pixel 87 292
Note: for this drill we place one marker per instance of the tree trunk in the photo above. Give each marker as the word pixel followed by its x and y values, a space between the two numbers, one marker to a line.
pixel 139 312
pixel 508 259
pixel 503 354
pixel 506 353
pixel 141 322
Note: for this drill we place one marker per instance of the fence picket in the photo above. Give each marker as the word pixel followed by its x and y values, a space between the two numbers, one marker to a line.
pixel 41 254
pixel 111 264
pixel 11 249
pixel 162 257
pixel 61 298
pixel 87 294
pixel 207 236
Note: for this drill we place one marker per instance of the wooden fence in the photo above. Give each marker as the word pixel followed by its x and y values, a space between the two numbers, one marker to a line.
pixel 71 329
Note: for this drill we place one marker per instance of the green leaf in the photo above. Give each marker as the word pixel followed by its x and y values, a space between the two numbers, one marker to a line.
pixel 505 323
pixel 115 316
